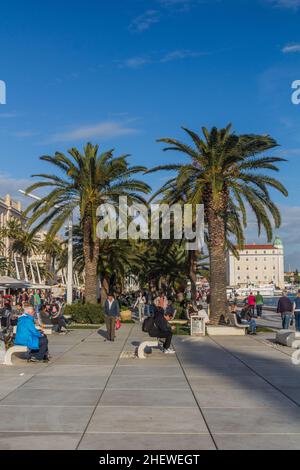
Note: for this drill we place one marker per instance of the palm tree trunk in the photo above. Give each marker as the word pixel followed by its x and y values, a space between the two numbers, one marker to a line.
pixel 193 273
pixel 104 289
pixel 217 256
pixel 91 256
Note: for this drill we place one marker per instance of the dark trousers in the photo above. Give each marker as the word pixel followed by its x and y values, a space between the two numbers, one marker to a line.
pixel 42 352
pixel 110 323
pixel 259 310
pixel 167 336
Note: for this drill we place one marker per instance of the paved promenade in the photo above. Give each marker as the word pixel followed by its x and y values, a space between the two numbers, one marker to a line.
pixel 227 393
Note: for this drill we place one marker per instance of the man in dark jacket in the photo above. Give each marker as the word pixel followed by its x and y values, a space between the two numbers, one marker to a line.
pixel 112 312
pixel 285 308
pixel 162 329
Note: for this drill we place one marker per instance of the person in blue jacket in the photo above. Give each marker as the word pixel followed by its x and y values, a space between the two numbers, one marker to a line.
pixel 28 335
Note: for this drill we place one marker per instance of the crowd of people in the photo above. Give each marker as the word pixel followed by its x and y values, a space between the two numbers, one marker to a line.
pixel 27 312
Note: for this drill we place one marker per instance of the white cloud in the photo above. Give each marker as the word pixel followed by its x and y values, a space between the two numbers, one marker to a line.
pixel 101 130
pixel 140 61
pixel 24 134
pixel 293 4
pixel 144 21
pixel 181 54
pixel 134 62
pixel 11 186
pixel 291 48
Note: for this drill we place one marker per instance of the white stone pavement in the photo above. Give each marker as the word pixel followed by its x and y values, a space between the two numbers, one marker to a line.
pixel 227 393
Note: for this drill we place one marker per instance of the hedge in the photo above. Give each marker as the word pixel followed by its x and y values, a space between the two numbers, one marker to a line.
pixel 85 313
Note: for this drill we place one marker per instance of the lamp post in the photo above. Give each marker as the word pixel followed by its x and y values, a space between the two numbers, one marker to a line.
pixel 70 250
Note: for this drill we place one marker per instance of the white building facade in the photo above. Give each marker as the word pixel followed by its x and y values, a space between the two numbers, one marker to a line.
pixel 258 265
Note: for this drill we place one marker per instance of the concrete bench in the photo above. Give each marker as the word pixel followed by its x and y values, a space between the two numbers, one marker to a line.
pixel 11 351
pixel 287 338
pixel 234 322
pixel 144 345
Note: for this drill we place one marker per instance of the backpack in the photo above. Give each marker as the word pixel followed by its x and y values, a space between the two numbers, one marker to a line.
pixel 148 324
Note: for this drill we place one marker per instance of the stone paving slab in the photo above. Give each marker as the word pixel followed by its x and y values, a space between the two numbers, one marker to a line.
pixel 257 420
pixel 55 383
pixel 142 382
pixel 140 441
pixel 65 419
pixel 135 419
pixel 67 397
pixel 38 440
pixel 148 398
pixel 257 441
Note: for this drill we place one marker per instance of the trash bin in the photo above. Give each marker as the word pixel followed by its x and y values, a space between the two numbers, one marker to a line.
pixel 197 325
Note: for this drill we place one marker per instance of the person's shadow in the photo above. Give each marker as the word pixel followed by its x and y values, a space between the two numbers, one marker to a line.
pixel 102 333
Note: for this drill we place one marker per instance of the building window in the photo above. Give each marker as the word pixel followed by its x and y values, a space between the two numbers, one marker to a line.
pixel 238 268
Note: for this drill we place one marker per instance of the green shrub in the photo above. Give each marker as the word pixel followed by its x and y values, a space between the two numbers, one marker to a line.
pixel 85 313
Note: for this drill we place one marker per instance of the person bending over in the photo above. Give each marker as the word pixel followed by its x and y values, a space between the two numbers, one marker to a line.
pixel 162 329
pixel 28 335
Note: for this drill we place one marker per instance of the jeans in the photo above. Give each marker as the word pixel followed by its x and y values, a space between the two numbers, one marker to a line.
pixel 259 310
pixel 147 310
pixel 42 352
pixel 110 323
pixel 286 319
pixel 297 321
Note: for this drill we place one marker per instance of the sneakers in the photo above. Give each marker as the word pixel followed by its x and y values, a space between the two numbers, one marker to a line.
pixel 34 359
pixel 169 351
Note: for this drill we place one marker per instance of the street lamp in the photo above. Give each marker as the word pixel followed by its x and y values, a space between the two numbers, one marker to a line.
pixel 70 250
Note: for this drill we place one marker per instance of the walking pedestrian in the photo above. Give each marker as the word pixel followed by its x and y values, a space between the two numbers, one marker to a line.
pixel 112 312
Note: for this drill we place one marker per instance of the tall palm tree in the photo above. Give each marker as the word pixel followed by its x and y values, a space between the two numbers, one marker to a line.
pixel 86 180
pixel 226 172
pixel 51 248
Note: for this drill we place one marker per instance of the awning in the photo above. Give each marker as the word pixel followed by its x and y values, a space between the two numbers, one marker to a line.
pixel 10 282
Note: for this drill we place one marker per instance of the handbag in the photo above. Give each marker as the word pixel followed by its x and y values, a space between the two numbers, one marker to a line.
pixel 118 324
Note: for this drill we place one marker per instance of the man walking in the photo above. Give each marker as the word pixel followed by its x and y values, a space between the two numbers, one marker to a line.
pixel 285 308
pixel 112 312
pixel 259 304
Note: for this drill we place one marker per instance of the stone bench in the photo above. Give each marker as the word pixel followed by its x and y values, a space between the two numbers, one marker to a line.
pixel 144 345
pixel 11 351
pixel 287 338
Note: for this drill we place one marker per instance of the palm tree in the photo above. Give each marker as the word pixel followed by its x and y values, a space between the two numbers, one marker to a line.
pixel 87 180
pixel 117 259
pixel 51 248
pixel 226 173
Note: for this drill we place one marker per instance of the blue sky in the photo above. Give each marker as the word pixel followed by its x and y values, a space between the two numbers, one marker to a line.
pixel 124 73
